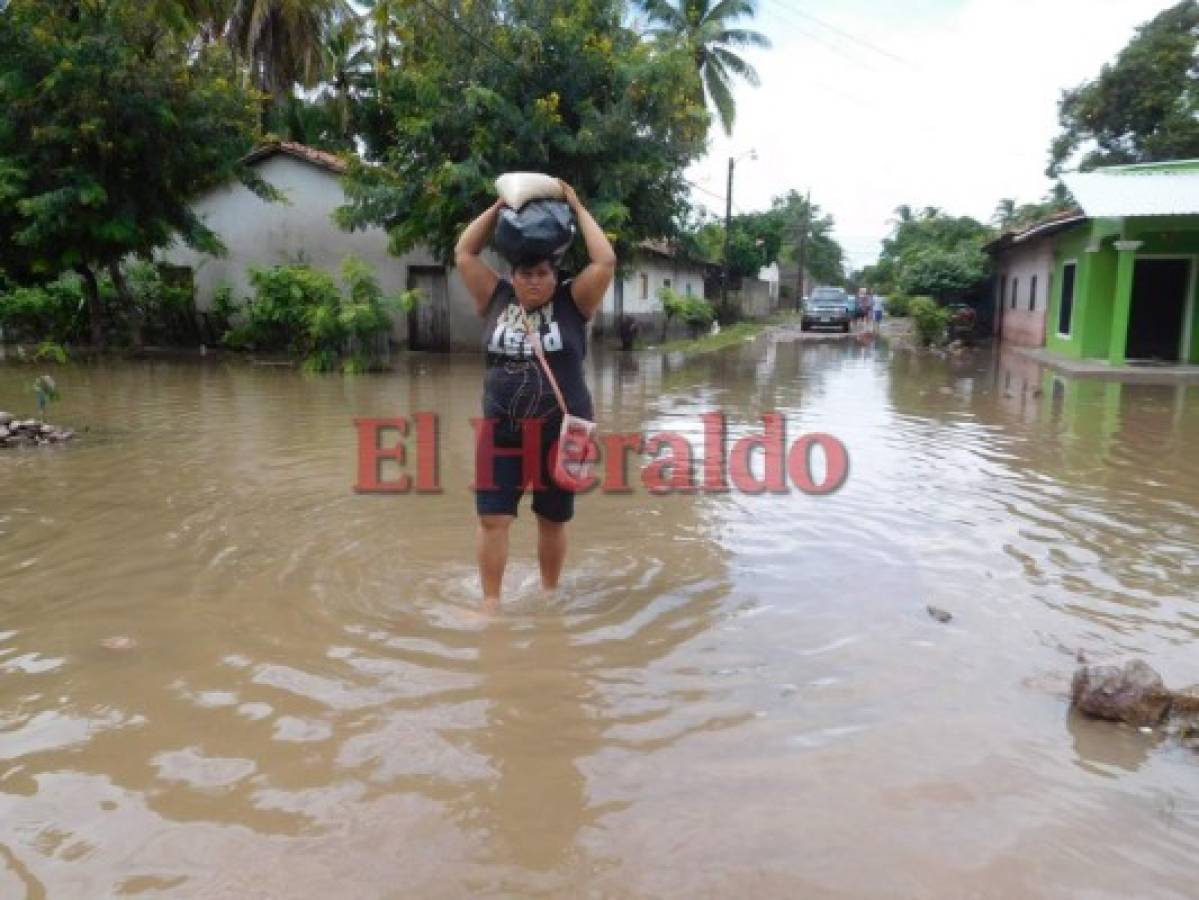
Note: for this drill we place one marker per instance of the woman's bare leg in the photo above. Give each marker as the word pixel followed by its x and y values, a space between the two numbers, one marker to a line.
pixel 492 547
pixel 551 551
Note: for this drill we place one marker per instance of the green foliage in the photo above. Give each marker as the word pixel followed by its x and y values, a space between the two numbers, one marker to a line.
pixel 571 90
pixel 945 274
pixel 410 299
pixel 931 320
pixel 931 253
pixel 824 258
pixel 53 352
pixel 707 33
pixel 1144 107
pixel 52 312
pixel 1010 216
pixel 898 305
pixel 111 126
pixel 674 304
pixel 696 312
pixel 761 238
pixel 304 312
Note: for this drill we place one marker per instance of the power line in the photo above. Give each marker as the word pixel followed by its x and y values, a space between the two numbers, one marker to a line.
pixel 848 35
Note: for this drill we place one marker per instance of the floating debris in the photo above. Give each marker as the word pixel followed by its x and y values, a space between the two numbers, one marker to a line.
pixel 941 615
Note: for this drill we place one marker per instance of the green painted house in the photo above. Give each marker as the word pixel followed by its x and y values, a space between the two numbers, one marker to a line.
pixel 1123 281
pixel 1114 280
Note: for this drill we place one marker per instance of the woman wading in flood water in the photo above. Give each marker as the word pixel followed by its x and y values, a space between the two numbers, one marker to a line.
pixel 515 388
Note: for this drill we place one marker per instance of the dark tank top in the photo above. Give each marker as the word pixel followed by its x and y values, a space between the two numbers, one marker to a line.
pixel 515 387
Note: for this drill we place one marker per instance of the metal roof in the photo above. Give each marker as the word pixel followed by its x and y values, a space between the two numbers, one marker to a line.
pixel 1151 189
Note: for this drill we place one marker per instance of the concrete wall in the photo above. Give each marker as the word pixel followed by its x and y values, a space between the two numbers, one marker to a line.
pixel 1023 315
pixel 755 299
pixel 258 234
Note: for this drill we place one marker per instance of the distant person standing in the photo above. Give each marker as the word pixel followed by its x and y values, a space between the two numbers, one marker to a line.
pixel 877 312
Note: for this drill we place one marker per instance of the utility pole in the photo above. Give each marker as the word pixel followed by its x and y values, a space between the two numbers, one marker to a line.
pixel 802 255
pixel 728 227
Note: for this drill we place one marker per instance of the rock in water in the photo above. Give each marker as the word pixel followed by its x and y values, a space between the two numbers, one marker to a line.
pixel 941 615
pixel 1134 694
pixel 5 418
pixel 1186 701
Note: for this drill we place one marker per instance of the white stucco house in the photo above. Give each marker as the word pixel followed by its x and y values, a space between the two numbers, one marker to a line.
pixel 258 234
pixel 654 266
pixel 261 234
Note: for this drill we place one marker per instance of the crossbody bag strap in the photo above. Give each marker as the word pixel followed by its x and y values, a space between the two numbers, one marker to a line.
pixel 535 340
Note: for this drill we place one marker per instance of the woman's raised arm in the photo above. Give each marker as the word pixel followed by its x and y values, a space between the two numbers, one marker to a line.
pixel 480 278
pixel 590 285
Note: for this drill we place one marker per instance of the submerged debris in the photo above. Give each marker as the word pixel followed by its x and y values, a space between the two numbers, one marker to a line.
pixel 941 615
pixel 30 432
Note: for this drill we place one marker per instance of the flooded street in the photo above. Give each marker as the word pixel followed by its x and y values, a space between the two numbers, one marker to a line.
pixel 225 674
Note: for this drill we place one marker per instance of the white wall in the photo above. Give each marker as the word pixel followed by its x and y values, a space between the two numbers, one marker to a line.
pixel 659 272
pixel 256 233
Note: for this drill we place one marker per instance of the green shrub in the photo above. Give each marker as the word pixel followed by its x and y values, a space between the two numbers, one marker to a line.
pixel 898 305
pixel 695 311
pixel 698 314
pixel 304 312
pixel 50 350
pixel 163 306
pixel 931 320
pixel 50 312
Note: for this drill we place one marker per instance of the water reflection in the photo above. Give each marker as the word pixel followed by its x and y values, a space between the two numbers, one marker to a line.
pixel 211 649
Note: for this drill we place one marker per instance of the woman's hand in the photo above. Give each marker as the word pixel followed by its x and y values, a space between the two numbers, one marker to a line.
pixel 569 195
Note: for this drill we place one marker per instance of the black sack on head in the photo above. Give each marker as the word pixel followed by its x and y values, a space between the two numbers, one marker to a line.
pixel 541 229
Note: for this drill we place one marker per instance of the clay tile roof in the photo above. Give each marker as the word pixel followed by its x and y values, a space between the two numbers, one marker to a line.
pixel 311 155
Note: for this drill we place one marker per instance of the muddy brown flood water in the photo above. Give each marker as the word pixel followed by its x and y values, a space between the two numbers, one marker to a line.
pixel 225 674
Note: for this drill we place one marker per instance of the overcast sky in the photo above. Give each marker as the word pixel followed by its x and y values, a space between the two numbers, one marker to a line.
pixel 949 103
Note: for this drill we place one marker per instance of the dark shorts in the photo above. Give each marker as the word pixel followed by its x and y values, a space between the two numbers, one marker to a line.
pixel 509 481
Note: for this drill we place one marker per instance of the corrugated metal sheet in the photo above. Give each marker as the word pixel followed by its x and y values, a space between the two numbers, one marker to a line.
pixel 1162 190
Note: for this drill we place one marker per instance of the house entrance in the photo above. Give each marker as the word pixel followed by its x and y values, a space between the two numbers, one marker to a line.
pixel 1158 314
pixel 429 323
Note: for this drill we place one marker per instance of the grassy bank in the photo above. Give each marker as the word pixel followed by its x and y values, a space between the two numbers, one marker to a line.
pixel 733 334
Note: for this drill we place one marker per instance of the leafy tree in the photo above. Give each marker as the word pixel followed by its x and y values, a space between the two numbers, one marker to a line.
pixel 824 259
pixel 932 253
pixel 947 274
pixel 1144 107
pixel 111 126
pixel 705 31
pixel 565 88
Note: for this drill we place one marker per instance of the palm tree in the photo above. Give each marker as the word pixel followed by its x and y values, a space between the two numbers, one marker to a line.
pixel 383 15
pixel 903 215
pixel 348 67
pixel 209 17
pixel 283 41
pixel 704 29
pixel 1005 213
